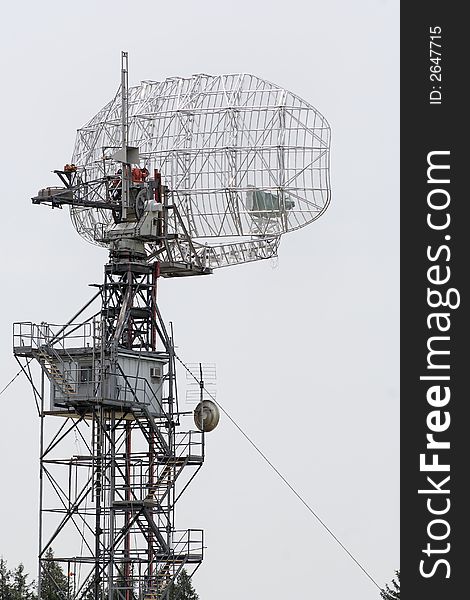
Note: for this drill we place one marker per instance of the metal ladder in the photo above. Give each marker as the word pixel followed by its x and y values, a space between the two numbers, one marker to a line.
pixel 166 575
pixel 54 374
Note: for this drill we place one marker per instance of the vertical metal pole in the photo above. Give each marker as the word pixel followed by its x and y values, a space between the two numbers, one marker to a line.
pixel 158 195
pixel 151 496
pixel 165 212
pixel 127 541
pixel 124 73
pixel 172 387
pixel 41 484
pixel 281 158
pixel 152 466
pixel 128 450
pixel 124 136
pixel 103 337
pixel 130 328
pixel 156 275
pixel 112 487
pixel 98 417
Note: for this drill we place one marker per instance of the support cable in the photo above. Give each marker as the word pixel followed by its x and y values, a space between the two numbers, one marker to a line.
pixel 273 467
pixel 12 380
pixel 284 480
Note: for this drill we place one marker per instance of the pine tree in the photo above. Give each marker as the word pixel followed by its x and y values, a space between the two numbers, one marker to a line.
pixel 14 584
pixel 54 582
pixel 5 577
pixel 20 588
pixel 392 594
pixel 183 588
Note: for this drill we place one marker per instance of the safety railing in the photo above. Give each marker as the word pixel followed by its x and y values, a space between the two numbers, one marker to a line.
pixel 189 444
pixel 32 336
pixel 112 386
pixel 188 543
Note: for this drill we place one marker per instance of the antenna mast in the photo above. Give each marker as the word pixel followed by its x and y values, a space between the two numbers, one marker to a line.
pixel 125 128
pixel 124 92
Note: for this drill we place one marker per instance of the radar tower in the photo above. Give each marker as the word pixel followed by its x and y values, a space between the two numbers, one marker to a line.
pixel 176 179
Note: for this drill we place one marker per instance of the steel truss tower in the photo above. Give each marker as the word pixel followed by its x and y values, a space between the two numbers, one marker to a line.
pixel 114 453
pixel 175 178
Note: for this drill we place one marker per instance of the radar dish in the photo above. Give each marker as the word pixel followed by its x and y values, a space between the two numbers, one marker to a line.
pixel 244 161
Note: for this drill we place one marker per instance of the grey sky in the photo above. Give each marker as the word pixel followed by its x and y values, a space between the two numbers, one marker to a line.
pixel 306 352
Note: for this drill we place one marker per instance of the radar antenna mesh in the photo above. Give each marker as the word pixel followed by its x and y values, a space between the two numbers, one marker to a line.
pixel 244 160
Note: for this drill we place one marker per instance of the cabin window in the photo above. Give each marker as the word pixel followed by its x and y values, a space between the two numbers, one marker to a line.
pixel 86 374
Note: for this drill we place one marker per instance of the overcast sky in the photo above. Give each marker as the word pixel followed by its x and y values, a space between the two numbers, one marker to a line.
pixel 306 348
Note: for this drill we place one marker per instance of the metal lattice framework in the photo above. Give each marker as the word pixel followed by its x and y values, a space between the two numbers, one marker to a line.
pixel 176 178
pixel 244 160
pixel 115 452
